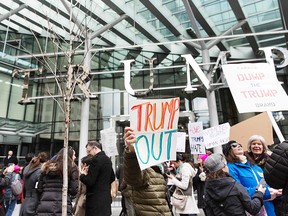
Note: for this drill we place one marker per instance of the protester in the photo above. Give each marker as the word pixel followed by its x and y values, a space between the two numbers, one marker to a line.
pixel 224 195
pixel 121 187
pixel 199 182
pixel 28 158
pixel 259 153
pixel 258 150
pixel 80 202
pixel 147 186
pixel 10 200
pixel 31 176
pixel 10 159
pixel 276 172
pixel 183 180
pixel 247 173
pixel 50 185
pixel 5 180
pixel 98 179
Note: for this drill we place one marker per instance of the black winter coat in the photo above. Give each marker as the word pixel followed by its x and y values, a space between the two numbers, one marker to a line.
pixel 98 185
pixel 13 159
pixel 276 175
pixel 199 186
pixel 276 168
pixel 50 191
pixel 225 197
pixel 30 177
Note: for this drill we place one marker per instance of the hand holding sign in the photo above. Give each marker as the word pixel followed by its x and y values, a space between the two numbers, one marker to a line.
pixel 129 138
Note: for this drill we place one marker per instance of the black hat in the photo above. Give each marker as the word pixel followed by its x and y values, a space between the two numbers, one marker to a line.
pixel 226 147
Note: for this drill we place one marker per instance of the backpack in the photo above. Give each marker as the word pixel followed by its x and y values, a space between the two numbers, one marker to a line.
pixel 16 185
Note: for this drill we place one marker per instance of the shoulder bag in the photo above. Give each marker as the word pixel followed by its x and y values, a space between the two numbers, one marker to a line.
pixel 178 199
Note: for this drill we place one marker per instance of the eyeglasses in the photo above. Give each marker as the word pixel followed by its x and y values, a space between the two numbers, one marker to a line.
pixel 235 145
pixel 89 150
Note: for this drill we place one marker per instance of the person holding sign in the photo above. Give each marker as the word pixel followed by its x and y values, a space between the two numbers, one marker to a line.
pixel 148 186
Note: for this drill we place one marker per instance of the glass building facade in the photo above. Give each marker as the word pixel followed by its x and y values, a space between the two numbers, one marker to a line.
pixel 42 34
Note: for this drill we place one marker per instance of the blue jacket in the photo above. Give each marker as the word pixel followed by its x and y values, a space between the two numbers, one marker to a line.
pixel 249 177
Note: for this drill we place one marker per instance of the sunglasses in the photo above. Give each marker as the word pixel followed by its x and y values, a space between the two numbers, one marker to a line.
pixel 235 145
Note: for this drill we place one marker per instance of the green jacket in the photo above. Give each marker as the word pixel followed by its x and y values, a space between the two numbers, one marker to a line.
pixel 148 188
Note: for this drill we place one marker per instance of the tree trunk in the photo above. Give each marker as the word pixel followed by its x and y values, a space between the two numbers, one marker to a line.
pixel 65 155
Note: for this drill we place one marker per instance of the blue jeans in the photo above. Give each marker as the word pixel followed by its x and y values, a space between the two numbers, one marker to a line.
pixel 9 206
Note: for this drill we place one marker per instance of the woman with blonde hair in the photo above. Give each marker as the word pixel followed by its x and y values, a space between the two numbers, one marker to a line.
pixel 258 150
pixel 259 153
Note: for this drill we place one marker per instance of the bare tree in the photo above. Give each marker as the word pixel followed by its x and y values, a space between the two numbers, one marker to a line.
pixel 75 76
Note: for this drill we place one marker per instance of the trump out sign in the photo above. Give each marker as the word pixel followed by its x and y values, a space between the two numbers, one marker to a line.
pixel 155 124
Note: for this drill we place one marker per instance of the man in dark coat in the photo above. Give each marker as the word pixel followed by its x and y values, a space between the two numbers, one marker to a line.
pixel 98 178
pixel 10 158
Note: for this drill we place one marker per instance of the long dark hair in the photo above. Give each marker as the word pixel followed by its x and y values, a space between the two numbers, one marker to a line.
pixel 232 158
pixel 58 162
pixel 39 159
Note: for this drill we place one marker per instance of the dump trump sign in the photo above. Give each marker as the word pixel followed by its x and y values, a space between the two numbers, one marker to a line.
pixel 255 87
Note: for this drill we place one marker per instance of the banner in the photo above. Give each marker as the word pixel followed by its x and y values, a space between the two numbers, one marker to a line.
pixel 155 123
pixel 108 141
pixel 181 142
pixel 217 135
pixel 196 139
pixel 255 87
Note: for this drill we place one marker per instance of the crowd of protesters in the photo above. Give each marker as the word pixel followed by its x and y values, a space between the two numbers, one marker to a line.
pixel 231 183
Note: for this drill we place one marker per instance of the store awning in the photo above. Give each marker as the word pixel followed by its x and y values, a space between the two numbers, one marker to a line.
pixel 21 128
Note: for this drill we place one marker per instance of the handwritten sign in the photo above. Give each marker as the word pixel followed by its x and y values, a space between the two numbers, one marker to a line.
pixel 255 87
pixel 181 142
pixel 217 135
pixel 108 140
pixel 196 139
pixel 155 124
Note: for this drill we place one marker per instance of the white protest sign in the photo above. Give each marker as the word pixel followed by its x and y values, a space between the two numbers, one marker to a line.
pixel 108 140
pixel 196 139
pixel 255 87
pixel 217 135
pixel 155 124
pixel 181 142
